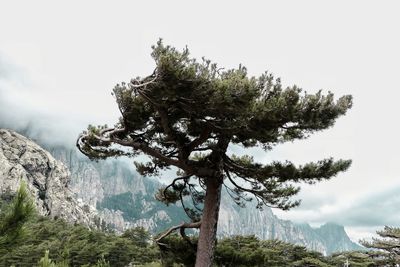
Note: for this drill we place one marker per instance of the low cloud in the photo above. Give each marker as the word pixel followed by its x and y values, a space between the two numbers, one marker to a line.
pixel 373 210
pixel 49 115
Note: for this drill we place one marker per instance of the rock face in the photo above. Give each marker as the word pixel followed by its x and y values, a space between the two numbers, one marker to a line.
pixel 123 198
pixel 335 238
pixel 264 224
pixel 47 179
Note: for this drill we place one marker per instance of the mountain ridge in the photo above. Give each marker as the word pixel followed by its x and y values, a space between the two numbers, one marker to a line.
pixel 261 223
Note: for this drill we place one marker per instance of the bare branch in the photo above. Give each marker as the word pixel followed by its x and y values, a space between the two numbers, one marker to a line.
pixel 143 84
pixel 183 225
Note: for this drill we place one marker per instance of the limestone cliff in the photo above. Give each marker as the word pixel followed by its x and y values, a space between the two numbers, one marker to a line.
pixel 265 225
pixel 47 179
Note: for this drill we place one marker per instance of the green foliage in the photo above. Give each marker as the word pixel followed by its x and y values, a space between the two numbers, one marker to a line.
pixel 186 114
pixel 139 236
pixel 388 244
pixel 76 244
pixel 355 258
pixel 14 217
pixel 310 262
pixel 250 251
pixel 175 250
pixel 102 263
pixel 47 262
pixel 151 264
pixel 241 251
pixel 25 238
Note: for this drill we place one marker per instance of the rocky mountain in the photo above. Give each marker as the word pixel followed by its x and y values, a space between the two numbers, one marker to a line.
pixel 124 199
pixel 335 238
pixel 264 224
pixel 46 178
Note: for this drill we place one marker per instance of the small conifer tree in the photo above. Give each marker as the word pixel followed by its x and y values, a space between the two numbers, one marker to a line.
pixel 16 215
pixel 389 243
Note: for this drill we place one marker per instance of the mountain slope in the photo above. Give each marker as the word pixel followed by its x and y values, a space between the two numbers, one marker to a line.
pixel 124 199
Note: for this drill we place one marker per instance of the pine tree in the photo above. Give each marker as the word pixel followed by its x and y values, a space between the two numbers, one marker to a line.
pixel 187 113
pixel 16 215
pixel 45 261
pixel 388 243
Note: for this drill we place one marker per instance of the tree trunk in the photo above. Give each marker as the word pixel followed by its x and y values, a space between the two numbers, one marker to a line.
pixel 209 221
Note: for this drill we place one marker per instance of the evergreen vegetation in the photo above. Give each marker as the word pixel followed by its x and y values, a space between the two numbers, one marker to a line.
pixel 388 245
pixel 241 251
pixel 76 245
pixel 187 113
pixel 28 239
pixel 14 216
pixel 55 243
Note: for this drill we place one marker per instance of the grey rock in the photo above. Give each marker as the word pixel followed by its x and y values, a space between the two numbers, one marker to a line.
pixel 265 225
pixel 47 179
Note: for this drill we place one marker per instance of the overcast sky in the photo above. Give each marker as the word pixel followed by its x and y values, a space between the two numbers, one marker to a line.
pixel 59 63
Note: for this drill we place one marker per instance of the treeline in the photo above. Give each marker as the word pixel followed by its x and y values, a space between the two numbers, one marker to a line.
pixel 27 239
pixel 241 251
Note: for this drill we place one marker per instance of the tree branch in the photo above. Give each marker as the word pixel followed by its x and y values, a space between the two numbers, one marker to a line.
pixel 144 84
pixel 256 193
pixel 181 226
pixel 131 143
pixel 200 140
pixel 238 186
pixel 174 181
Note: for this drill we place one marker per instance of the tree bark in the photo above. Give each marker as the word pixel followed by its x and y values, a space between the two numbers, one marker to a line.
pixel 209 221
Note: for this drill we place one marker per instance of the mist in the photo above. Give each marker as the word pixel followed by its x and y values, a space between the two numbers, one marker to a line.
pixel 38 111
